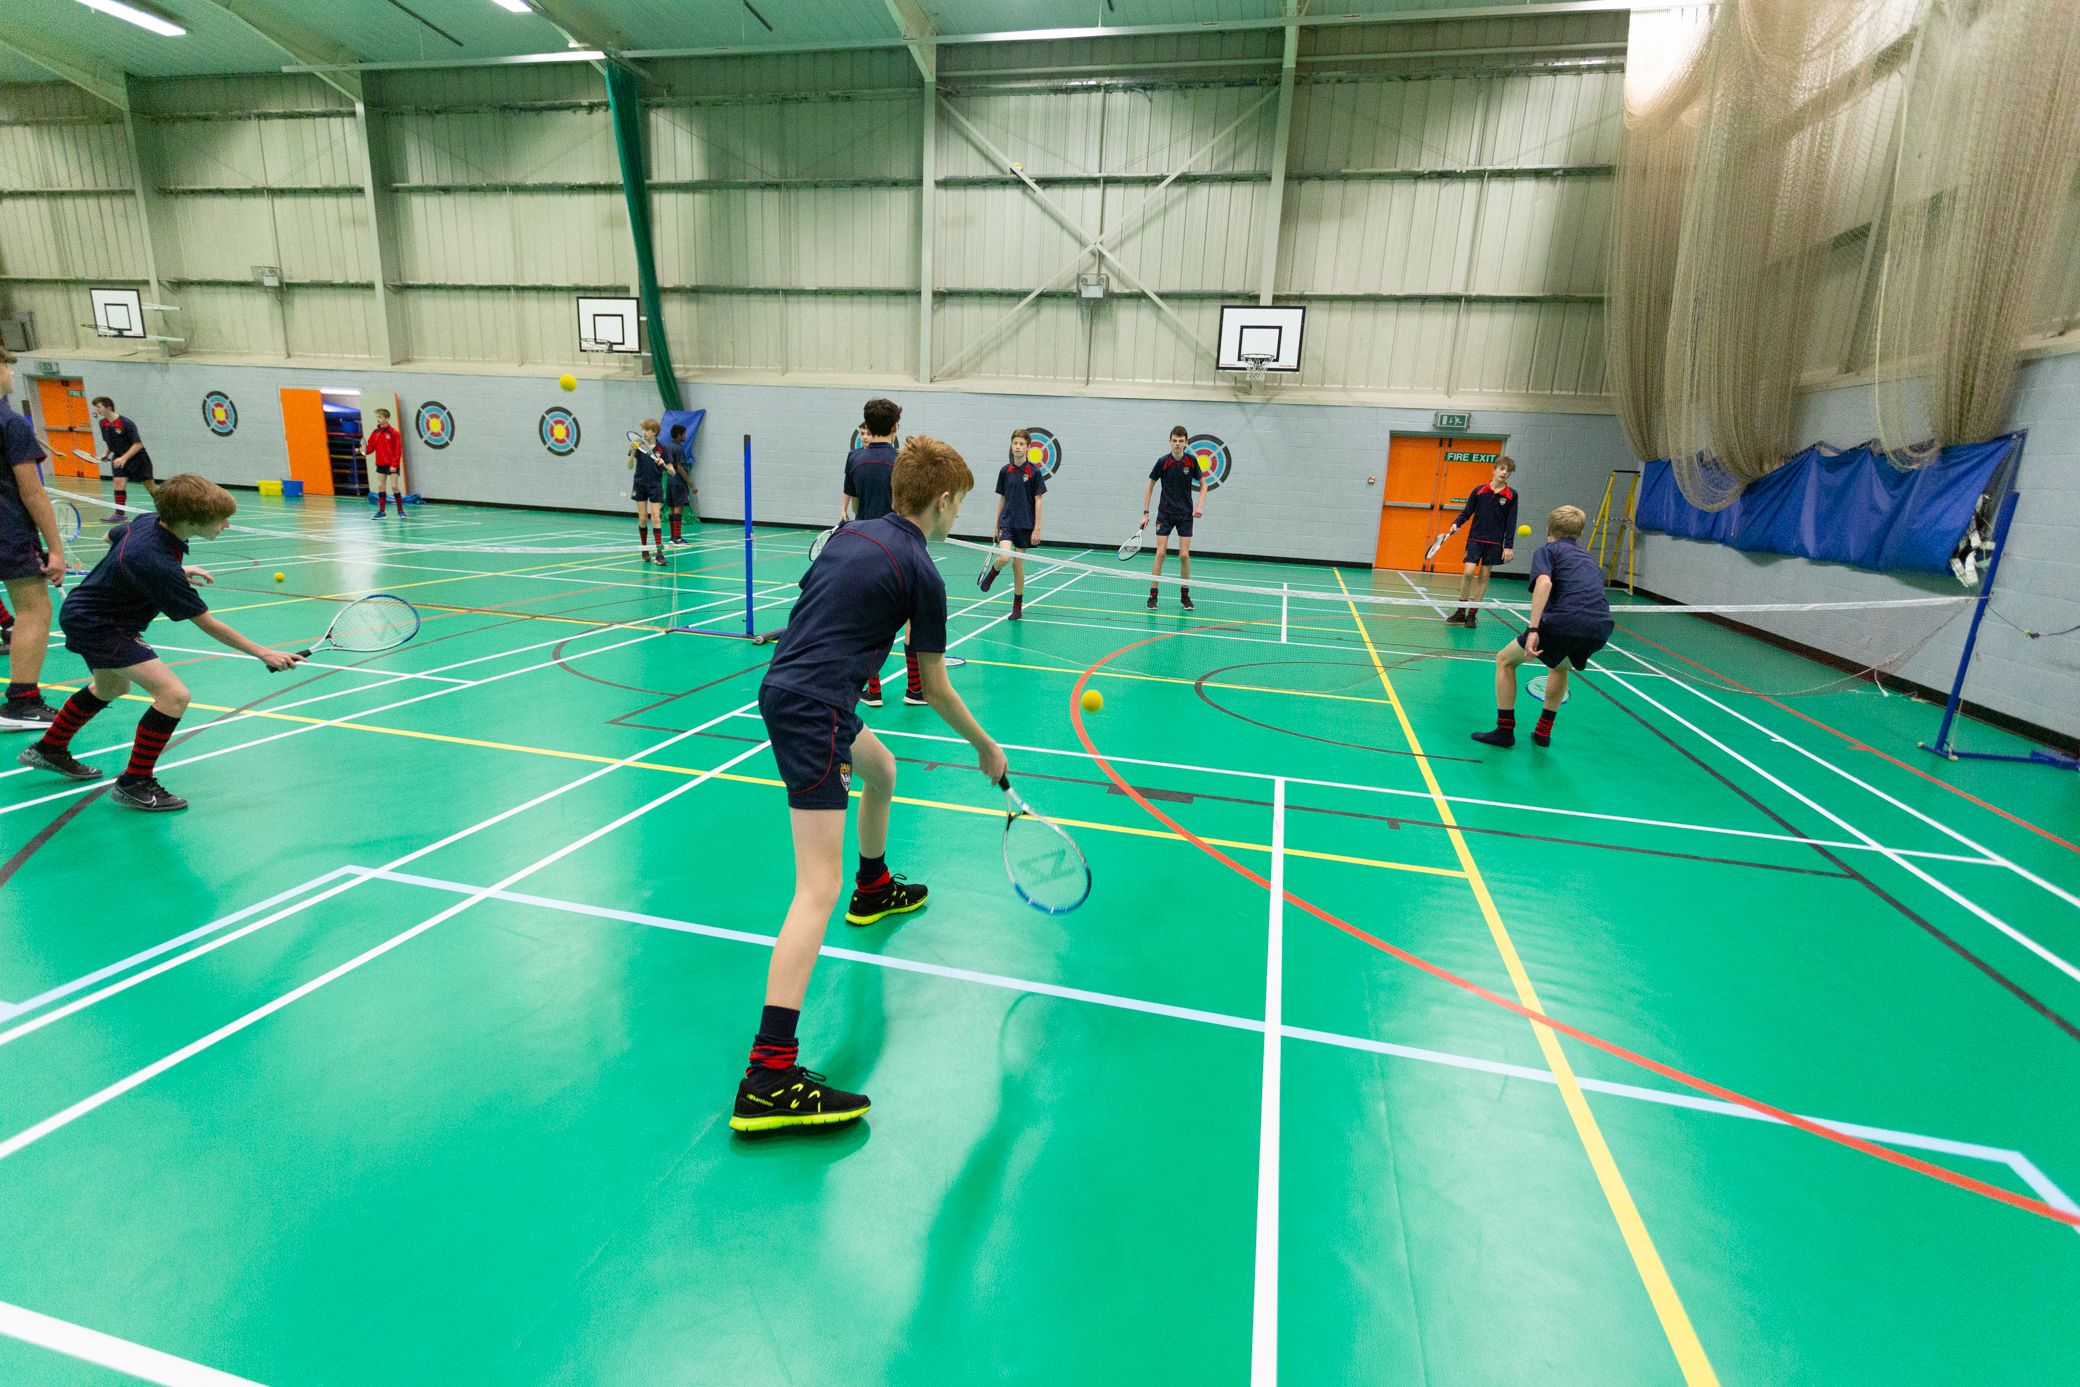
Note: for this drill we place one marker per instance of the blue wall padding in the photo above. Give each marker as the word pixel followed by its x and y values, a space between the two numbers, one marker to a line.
pixel 1849 507
pixel 691 418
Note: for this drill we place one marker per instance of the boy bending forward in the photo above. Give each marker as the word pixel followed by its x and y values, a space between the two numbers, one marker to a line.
pixel 1570 621
pixel 872 577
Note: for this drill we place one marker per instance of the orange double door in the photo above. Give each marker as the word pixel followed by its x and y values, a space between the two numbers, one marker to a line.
pixel 69 425
pixel 1428 480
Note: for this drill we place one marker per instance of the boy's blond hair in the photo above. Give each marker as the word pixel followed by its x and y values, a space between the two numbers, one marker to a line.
pixel 192 499
pixel 382 414
pixel 925 470
pixel 1566 522
pixel 651 426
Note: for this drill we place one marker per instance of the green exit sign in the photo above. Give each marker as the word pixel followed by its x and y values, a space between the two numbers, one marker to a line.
pixel 1451 456
pixel 1454 421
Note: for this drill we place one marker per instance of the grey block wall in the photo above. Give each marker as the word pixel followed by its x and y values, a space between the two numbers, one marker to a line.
pixel 2039 587
pixel 1305 482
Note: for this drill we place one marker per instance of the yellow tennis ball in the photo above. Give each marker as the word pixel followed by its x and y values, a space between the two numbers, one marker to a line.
pixel 1523 529
pixel 1092 700
pixel 278 577
pixel 567 381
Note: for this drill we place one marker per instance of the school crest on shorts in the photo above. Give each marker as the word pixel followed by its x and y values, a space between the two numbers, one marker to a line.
pixel 1216 460
pixel 845 774
pixel 435 424
pixel 560 432
pixel 1045 452
pixel 219 415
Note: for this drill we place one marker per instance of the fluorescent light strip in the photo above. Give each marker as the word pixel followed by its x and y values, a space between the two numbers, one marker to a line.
pixel 516 6
pixel 143 19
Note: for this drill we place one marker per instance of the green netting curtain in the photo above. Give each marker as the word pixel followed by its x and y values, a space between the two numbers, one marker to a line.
pixel 625 103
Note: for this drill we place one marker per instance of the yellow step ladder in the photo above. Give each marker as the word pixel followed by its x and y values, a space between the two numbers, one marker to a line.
pixel 1610 538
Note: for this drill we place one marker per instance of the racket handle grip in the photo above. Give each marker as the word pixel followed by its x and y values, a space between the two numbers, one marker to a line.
pixel 1004 781
pixel 303 654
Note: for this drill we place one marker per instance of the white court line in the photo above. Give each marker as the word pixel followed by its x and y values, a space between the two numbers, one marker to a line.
pixel 28 1027
pixel 60 1120
pixel 8 1011
pixel 107 1351
pixel 225 653
pixel 2067 896
pixel 83 787
pixel 2028 1171
pixel 1894 854
pixel 1263 1340
pixel 1791 838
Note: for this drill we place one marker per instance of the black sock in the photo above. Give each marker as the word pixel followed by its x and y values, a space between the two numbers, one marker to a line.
pixel 873 871
pixel 778 1023
pixel 775 1048
pixel 19 691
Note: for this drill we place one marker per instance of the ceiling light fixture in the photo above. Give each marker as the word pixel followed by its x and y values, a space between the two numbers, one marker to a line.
pixel 144 16
pixel 516 6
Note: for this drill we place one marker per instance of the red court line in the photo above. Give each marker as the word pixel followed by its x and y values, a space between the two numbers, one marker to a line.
pixel 1860 746
pixel 1951 1177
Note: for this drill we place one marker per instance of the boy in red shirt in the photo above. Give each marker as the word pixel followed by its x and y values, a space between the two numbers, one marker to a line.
pixel 386 445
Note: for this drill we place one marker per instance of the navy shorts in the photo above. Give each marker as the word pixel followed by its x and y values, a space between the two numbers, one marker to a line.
pixel 138 469
pixel 676 492
pixel 385 471
pixel 105 647
pixel 812 741
pixel 1484 551
pixel 652 492
pixel 1555 646
pixel 21 549
pixel 1166 521
pixel 1021 536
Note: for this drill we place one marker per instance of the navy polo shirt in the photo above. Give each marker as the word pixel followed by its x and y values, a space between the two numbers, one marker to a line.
pixel 138 578
pixel 1180 478
pixel 1494 514
pixel 674 457
pixel 872 576
pixel 121 435
pixel 649 467
pixel 869 477
pixel 1020 484
pixel 18 445
pixel 1578 605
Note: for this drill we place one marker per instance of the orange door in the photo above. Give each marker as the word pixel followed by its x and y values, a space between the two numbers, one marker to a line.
pixel 1428 480
pixel 303 427
pixel 69 424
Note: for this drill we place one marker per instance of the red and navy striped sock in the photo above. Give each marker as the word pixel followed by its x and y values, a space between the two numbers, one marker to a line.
pixel 873 872
pixel 915 688
pixel 153 730
pixel 1542 735
pixel 78 710
pixel 642 536
pixel 775 1048
pixel 1506 719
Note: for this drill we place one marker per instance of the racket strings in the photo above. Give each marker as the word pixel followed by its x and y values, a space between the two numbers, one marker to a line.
pixel 374 623
pixel 1045 864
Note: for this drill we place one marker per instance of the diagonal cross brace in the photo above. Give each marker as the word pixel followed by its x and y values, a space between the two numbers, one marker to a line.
pixel 1070 224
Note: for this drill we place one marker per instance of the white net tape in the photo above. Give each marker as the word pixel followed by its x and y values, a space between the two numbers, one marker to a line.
pixel 362 540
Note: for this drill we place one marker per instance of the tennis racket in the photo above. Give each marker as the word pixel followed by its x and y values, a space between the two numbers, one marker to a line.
pixel 1437 544
pixel 821 538
pixel 68 519
pixel 369 624
pixel 84 456
pixel 1045 865
pixel 1537 689
pixel 1133 546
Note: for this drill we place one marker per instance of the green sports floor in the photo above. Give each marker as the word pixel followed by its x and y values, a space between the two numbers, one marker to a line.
pixel 406 1054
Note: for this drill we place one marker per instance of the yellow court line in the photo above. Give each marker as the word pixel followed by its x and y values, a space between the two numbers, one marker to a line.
pixel 763 780
pixel 1168 679
pixel 1675 1320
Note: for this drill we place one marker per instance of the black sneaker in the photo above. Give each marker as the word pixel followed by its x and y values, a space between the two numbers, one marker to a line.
pixel 1152 598
pixel 27 714
pixel 794 1097
pixel 871 696
pixel 148 795
pixel 916 699
pixel 1457 618
pixel 1497 736
pixel 896 897
pixel 1184 595
pixel 62 762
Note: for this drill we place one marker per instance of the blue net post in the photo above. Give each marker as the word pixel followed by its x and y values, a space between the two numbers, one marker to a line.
pixel 748 605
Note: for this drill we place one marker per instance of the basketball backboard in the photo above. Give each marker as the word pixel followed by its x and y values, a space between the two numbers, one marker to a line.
pixel 1270 335
pixel 608 325
pixel 117 312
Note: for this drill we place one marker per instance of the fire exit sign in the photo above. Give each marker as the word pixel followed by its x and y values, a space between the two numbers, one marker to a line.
pixel 1451 456
pixel 1454 421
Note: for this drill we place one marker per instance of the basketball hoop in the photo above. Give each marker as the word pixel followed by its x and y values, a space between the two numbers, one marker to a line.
pixel 1254 367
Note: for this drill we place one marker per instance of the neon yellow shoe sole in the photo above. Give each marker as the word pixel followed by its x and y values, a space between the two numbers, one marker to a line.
pixel 821 1119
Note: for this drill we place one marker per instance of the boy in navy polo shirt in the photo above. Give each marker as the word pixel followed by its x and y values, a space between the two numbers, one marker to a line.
pixel 873 578
pixel 126 451
pixel 868 471
pixel 1020 485
pixel 679 489
pixel 648 490
pixel 1177 471
pixel 1493 510
pixel 143 575
pixel 1570 621
pixel 32 558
